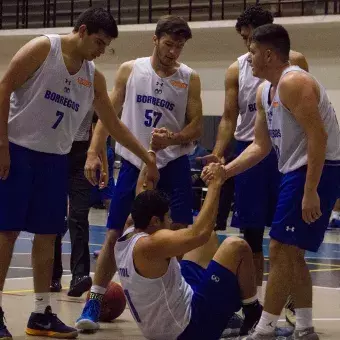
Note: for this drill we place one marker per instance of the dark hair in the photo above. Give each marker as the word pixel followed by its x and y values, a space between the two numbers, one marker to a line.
pixel 254 16
pixel 147 204
pixel 97 19
pixel 174 26
pixel 275 36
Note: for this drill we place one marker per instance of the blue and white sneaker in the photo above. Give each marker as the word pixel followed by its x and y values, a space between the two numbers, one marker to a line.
pixel 89 319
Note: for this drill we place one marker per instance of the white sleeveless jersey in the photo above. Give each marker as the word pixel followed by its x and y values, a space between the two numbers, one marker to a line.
pixel 154 102
pixel 288 138
pixel 83 133
pixel 248 85
pixel 161 307
pixel 46 112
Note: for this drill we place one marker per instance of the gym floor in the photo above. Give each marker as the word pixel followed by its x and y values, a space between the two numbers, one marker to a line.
pixel 18 291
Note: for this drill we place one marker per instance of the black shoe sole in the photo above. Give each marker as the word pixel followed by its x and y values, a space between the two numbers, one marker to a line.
pixel 80 288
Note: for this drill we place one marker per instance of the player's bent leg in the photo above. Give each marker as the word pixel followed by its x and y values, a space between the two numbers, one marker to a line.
pixel 204 254
pixel 105 269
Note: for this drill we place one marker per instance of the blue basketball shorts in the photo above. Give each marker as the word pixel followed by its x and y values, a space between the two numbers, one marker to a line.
pixel 256 192
pixel 34 196
pixel 175 181
pixel 216 298
pixel 288 226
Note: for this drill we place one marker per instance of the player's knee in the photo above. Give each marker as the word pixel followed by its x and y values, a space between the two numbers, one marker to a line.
pixel 275 250
pixel 112 236
pixel 236 245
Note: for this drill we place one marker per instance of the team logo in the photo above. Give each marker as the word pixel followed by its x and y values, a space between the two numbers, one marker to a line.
pixel 292 229
pixel 159 89
pixel 215 278
pixel 178 84
pixel 84 82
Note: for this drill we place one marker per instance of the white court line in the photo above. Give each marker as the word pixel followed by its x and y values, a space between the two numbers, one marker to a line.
pixel 29 277
pixel 330 288
pixel 29 268
pixel 31 253
pixel 319 319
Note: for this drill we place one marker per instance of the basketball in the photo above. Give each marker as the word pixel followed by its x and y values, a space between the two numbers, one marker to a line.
pixel 113 303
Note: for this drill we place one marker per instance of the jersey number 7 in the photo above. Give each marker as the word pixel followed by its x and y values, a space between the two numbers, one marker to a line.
pixel 60 116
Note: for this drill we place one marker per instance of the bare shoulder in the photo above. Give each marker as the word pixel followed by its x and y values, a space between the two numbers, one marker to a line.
pixel 37 48
pixel 298 59
pixel 296 79
pixel 232 73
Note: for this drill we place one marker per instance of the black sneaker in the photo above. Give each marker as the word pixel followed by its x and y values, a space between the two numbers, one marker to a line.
pixel 55 286
pixel 4 333
pixel 252 314
pixel 49 325
pixel 79 285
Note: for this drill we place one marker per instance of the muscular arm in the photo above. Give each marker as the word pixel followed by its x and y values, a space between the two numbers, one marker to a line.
pixel 260 147
pixel 117 97
pixel 22 67
pixel 228 122
pixel 168 243
pixel 193 130
pixel 300 94
pixel 298 59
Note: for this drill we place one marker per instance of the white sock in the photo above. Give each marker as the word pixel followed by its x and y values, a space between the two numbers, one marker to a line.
pixel 335 215
pixel 260 294
pixel 98 290
pixel 267 323
pixel 249 301
pixel 0 298
pixel 42 300
pixel 304 318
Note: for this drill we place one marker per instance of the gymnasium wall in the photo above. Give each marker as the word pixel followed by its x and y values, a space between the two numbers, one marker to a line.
pixel 214 46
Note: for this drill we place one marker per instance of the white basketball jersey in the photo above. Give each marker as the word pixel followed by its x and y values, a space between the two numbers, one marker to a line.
pixel 46 112
pixel 155 102
pixel 248 85
pixel 161 307
pixel 288 138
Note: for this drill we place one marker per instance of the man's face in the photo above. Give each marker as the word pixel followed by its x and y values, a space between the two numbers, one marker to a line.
pixel 168 49
pixel 246 32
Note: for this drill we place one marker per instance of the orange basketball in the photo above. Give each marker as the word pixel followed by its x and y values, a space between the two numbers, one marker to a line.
pixel 113 304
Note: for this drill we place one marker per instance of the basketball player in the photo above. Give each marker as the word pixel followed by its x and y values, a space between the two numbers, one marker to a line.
pixel 193 299
pixel 295 116
pixel 161 102
pixel 50 85
pixel 255 194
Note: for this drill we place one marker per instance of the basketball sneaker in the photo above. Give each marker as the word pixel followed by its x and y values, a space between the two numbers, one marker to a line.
pixel 49 325
pixel 89 319
pixel 233 328
pixel 306 334
pixel 4 333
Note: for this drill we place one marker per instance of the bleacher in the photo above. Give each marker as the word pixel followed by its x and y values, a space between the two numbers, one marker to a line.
pixel 62 13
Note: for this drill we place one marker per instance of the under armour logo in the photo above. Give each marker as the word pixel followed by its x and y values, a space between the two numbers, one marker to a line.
pixel 159 84
pixel 159 90
pixel 292 229
pixel 270 116
pixel 215 278
pixel 68 82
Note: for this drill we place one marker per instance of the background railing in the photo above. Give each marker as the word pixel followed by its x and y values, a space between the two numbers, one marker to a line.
pixel 62 13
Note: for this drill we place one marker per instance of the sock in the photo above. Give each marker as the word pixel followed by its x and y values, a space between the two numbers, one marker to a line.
pixel 267 323
pixel 260 294
pixel 335 215
pixel 304 318
pixel 42 300
pixel 97 293
pixel 0 298
pixel 250 301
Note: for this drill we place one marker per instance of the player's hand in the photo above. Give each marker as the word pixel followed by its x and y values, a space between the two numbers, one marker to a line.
pixel 5 160
pixel 214 173
pixel 160 139
pixel 311 206
pixel 206 160
pixel 93 165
